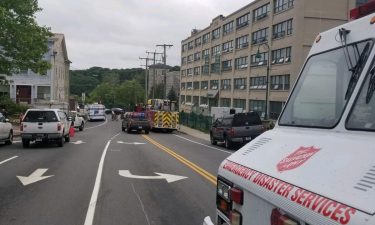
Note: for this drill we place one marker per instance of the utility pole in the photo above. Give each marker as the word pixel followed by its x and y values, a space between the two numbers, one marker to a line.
pixel 165 64
pixel 154 72
pixel 146 77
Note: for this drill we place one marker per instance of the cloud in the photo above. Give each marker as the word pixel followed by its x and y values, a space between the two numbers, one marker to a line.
pixel 115 33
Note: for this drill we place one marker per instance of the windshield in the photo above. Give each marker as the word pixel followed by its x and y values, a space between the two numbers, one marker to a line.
pixel 325 86
pixel 363 112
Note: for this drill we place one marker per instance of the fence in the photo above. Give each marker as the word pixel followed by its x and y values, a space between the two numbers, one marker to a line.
pixel 196 121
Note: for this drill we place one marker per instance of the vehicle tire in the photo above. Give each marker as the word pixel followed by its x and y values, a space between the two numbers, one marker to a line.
pixel 123 128
pixel 67 138
pixel 10 138
pixel 82 126
pixel 213 141
pixel 228 143
pixel 128 130
pixel 25 143
pixel 60 142
pixel 147 131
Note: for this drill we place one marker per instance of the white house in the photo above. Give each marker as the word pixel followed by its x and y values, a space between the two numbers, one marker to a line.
pixel 34 89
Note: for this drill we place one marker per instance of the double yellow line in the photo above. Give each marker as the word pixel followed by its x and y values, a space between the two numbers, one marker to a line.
pixel 191 165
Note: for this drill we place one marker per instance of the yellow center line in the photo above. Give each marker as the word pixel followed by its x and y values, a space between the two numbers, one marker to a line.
pixel 180 158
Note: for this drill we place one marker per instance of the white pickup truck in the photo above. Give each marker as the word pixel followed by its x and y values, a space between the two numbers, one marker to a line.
pixel 44 125
pixel 79 121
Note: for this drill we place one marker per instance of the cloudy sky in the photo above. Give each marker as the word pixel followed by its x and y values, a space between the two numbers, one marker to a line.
pixel 115 33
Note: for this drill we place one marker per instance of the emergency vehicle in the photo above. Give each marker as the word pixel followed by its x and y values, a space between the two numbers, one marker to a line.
pixel 317 166
pixel 163 115
pixel 96 111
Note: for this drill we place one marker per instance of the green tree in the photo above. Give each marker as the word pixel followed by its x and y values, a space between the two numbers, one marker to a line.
pixel 172 94
pixel 23 43
pixel 159 91
pixel 130 93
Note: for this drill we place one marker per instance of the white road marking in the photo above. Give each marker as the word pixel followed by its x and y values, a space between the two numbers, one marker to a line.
pixel 94 197
pixel 105 122
pixel 143 207
pixel 202 144
pixel 4 161
pixel 17 141
pixel 130 143
pixel 169 177
pixel 78 142
pixel 36 176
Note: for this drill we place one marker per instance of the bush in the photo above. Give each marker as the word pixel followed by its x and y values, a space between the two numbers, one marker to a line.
pixel 13 109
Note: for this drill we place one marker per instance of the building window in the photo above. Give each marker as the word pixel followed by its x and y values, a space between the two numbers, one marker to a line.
pixel 189 85
pixel 195 100
pixel 259 36
pixel 228 46
pixel 259 59
pixel 215 50
pixel 242 21
pixel 275 110
pixel 188 98
pixel 226 84
pixel 239 103
pixel 204 100
pixel 240 83
pixel 204 85
pixel 258 82
pixel 183 60
pixel 198 41
pixel 279 30
pixel 190 58
pixel 183 86
pixel 214 84
pixel 261 12
pixel 205 70
pixel 190 72
pixel 206 54
pixel 196 70
pixel 225 102
pixel 184 47
pixel 257 106
pixel 182 99
pixel 215 67
pixel 197 56
pixel 282 55
pixel 281 5
pixel 242 42
pixel 226 65
pixel 280 82
pixel 240 63
pixel 191 45
pixel 228 28
pixel 196 85
pixel 206 38
pixel 183 73
pixel 216 33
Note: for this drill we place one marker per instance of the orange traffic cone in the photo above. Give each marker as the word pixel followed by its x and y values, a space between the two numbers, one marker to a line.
pixel 71 131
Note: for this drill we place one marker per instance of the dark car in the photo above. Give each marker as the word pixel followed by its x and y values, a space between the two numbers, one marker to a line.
pixel 136 121
pixel 236 128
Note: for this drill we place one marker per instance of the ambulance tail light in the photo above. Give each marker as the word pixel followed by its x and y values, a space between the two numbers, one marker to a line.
pixel 236 195
pixel 278 219
pixel 362 10
pixel 235 218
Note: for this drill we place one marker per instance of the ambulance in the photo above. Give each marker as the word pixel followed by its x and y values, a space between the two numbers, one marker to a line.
pixel 317 166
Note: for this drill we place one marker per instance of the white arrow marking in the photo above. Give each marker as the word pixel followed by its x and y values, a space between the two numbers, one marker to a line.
pixel 169 177
pixel 78 142
pixel 37 175
pixel 130 143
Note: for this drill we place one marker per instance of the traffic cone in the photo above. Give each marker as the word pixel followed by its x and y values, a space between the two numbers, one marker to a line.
pixel 71 131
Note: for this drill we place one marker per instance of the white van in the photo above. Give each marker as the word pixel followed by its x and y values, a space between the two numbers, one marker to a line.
pixel 96 112
pixel 317 166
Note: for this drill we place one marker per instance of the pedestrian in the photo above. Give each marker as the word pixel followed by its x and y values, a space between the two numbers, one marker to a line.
pixel 21 117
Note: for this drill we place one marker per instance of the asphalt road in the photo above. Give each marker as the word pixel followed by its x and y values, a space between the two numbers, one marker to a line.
pixel 105 176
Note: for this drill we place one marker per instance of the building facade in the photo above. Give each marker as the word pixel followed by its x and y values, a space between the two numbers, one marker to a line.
pixel 231 62
pixel 159 74
pixel 34 89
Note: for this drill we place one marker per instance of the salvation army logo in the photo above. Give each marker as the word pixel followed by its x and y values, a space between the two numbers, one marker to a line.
pixel 296 158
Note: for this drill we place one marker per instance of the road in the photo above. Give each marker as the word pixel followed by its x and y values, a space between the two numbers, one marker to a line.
pixel 105 176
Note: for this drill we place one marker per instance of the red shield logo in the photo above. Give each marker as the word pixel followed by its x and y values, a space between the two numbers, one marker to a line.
pixel 296 158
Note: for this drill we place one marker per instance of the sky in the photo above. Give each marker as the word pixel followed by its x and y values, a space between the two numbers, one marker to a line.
pixel 115 33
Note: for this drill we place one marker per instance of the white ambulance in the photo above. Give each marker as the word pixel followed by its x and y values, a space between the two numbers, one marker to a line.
pixel 317 166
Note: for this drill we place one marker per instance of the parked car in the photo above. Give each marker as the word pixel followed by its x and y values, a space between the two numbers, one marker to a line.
pixel 44 125
pixel 135 121
pixel 236 128
pixel 78 119
pixel 6 130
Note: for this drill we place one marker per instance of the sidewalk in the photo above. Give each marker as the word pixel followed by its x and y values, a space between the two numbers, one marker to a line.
pixel 194 133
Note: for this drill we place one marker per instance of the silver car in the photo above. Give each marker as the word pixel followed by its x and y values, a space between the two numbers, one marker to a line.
pixel 6 130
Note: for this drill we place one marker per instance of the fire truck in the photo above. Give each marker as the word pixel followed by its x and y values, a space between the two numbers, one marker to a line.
pixel 163 115
pixel 317 166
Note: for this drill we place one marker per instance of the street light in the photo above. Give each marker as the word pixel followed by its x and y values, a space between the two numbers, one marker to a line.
pixel 267 76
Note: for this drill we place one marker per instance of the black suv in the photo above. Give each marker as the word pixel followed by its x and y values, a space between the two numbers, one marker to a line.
pixel 236 128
